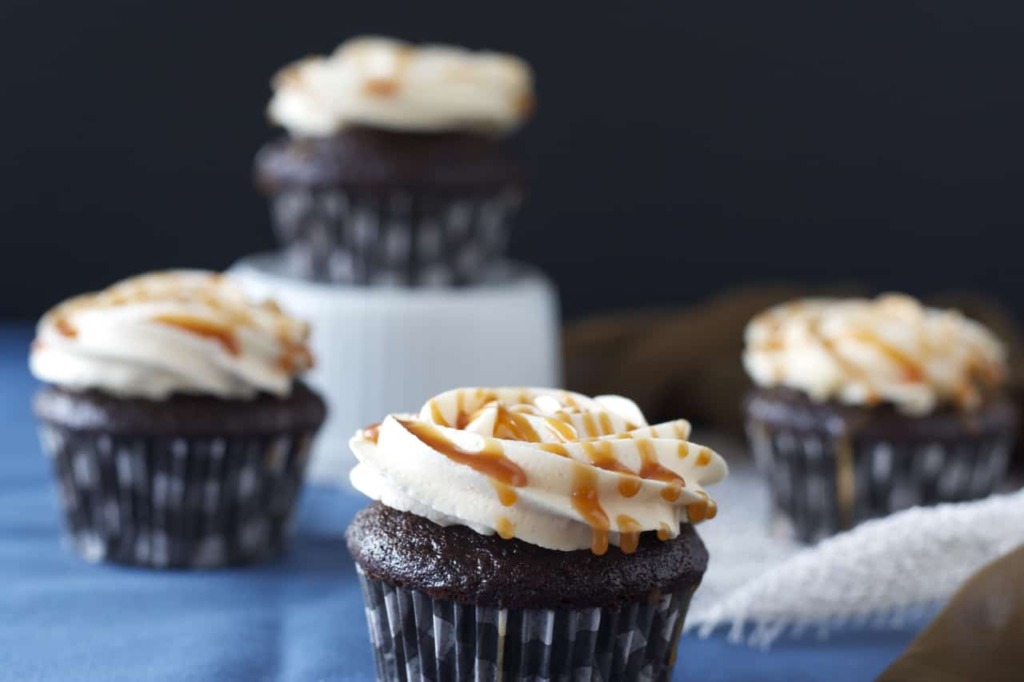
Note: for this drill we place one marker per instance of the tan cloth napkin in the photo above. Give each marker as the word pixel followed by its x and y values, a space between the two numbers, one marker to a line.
pixel 978 636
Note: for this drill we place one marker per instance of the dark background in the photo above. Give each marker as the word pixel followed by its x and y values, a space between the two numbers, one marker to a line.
pixel 679 148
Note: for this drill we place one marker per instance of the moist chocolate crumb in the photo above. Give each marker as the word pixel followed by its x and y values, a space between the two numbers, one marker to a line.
pixel 181 415
pixel 360 158
pixel 455 563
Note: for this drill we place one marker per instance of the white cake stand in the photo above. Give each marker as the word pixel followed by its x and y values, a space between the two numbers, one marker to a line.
pixel 381 350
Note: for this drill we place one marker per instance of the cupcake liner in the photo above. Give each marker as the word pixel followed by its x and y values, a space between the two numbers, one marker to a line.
pixel 176 502
pixel 399 238
pixel 416 638
pixel 824 484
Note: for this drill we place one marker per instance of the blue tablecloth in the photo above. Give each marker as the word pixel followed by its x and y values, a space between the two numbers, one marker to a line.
pixel 299 619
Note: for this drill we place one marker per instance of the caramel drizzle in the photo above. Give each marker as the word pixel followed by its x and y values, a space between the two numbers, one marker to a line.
pixel 371 433
pixel 490 461
pixel 629 533
pixel 294 356
pixel 207 329
pixel 703 509
pixel 554 448
pixel 505 529
pixel 651 469
pixel 436 415
pixel 562 430
pixel 387 84
pixel 514 423
pixel 913 372
pixel 586 502
pixel 911 369
pixel 65 328
pixel 664 531
pixel 601 456
pixel 514 426
pixel 506 494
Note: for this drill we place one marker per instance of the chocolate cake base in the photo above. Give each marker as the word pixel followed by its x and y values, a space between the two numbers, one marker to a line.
pixel 369 160
pixel 446 603
pixel 190 482
pixel 831 466
pixel 379 207
pixel 455 563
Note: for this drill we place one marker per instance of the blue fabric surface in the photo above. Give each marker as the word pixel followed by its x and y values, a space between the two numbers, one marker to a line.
pixel 297 620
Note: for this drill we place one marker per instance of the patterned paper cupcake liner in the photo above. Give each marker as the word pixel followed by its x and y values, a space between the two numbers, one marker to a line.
pixel 176 502
pixel 417 638
pixel 393 238
pixel 825 484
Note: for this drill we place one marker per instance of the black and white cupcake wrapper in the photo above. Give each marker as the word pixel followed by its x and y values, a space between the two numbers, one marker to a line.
pixel 176 502
pixel 418 638
pixel 822 484
pixel 396 238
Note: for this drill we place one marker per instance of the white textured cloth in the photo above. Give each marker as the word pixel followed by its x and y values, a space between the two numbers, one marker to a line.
pixel 760 587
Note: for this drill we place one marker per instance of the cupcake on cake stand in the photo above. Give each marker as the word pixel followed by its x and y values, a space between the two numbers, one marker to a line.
pixel 393 196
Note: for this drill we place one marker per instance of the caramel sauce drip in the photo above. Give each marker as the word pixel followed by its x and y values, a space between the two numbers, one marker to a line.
pixel 388 84
pixel 209 329
pixel 562 430
pixel 664 532
pixel 629 533
pixel 460 404
pixel 651 469
pixel 506 494
pixel 912 370
pixel 505 528
pixel 702 510
pixel 381 87
pixel 371 433
pixel 294 356
pixel 601 456
pixel 589 425
pixel 554 448
pixel 514 426
pixel 435 414
pixel 491 461
pixel 605 423
pixel 679 430
pixel 65 328
pixel 585 501
pixel 704 458
pixel 684 449
pixel 629 486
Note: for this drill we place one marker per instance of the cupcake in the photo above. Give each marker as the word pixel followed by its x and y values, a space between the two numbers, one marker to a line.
pixel 175 420
pixel 863 407
pixel 528 534
pixel 392 169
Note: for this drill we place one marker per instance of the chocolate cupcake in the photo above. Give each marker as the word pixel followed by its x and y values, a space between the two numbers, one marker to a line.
pixel 524 534
pixel 177 427
pixel 392 170
pixel 864 407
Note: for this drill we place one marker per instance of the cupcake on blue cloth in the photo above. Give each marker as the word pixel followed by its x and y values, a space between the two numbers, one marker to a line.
pixel 176 421
pixel 529 534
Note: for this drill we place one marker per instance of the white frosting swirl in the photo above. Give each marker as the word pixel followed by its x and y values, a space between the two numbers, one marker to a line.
pixel 384 83
pixel 171 332
pixel 550 467
pixel 863 352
